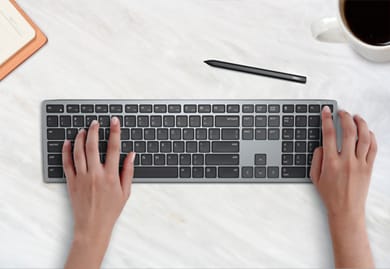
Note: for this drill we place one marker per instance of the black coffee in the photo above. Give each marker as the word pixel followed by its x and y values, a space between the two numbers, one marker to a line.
pixel 369 20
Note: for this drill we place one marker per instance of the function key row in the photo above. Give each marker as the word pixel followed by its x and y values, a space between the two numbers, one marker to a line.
pixel 189 108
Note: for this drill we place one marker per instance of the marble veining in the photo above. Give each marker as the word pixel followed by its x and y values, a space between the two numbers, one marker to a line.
pixel 155 49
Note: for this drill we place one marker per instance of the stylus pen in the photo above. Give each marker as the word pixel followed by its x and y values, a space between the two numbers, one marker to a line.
pixel 256 71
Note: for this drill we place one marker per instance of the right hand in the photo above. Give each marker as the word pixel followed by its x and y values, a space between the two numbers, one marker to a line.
pixel 342 178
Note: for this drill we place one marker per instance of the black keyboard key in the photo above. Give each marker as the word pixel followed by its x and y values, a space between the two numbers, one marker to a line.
pixel 273 171
pixel 233 108
pixel 55 172
pixel 248 121
pixel 136 134
pixel 309 159
pixel 191 146
pixel 71 133
pixel 162 134
pixel 143 121
pixel 300 159
pixel 314 134
pixel 287 146
pixel 87 109
pixel 222 159
pixel 273 108
pixel 145 108
pixel 227 121
pixel 204 146
pixel 228 146
pixel 247 134
pixel 247 172
pixel 120 119
pixel 146 159
pixel 139 146
pixel 155 121
pixel 273 121
pixel 54 146
pixel 185 159
pixel 127 146
pixel 178 146
pixel 159 159
pixel 314 109
pixel 230 134
pixel 312 145
pixel 287 159
pixel 218 108
pixel 293 172
pixel 169 121
pixel 73 108
pixel 300 121
pixel 189 108
pixel 101 108
pixel 78 121
pixel 288 121
pixel 188 134
pixel 116 109
pixel 130 121
pixel 197 159
pixel 214 134
pixel 54 159
pixel 261 121
pixel 89 119
pixel 273 134
pixel 197 172
pixel 175 134
pixel 181 121
pixel 172 159
pixel 314 121
pixel 174 108
pixel 248 108
pixel 165 146
pixel 228 172
pixel 260 159
pixel 194 121
pixel 131 108
pixel 288 134
pixel 300 146
pixel 300 133
pixel 156 172
pixel 125 134
pixel 149 134
pixel 330 106
pixel 152 146
pixel 160 108
pixel 204 108
pixel 185 172
pixel 211 172
pixel 288 108
pixel 207 121
pixel 52 121
pixel 260 172
pixel 104 121
pixel 201 134
pixel 65 121
pixel 260 133
pixel 55 134
pixel 55 108
pixel 261 108
pixel 300 108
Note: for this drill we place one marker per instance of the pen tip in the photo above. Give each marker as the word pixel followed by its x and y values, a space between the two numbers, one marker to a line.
pixel 209 62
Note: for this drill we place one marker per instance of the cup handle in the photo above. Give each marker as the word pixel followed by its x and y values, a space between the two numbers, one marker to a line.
pixel 327 30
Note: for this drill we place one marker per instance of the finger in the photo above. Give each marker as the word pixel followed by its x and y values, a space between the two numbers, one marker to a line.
pixel 127 174
pixel 67 161
pixel 80 161
pixel 364 138
pixel 328 134
pixel 372 150
pixel 113 149
pixel 349 134
pixel 92 146
pixel 316 164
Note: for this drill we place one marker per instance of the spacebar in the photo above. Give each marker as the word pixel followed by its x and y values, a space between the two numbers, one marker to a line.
pixel 155 172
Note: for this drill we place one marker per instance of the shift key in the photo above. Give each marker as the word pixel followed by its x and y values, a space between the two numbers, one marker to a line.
pixel 222 159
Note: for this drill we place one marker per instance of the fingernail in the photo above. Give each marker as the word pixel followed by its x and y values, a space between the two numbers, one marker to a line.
pixel 94 122
pixel 114 120
pixel 132 158
pixel 326 109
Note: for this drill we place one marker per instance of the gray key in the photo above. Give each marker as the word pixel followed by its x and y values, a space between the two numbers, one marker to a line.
pixel 222 159
pixel 260 159
pixel 260 172
pixel 247 172
pixel 273 171
pixel 228 146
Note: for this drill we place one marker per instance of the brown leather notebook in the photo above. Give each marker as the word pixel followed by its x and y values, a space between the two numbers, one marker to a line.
pixel 28 50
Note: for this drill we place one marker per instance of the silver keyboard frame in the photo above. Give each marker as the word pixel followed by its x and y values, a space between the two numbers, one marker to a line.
pixel 247 147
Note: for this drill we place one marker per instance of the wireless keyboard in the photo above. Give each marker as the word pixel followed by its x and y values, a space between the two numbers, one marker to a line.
pixel 182 141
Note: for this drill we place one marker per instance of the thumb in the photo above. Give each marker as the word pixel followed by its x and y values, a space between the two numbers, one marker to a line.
pixel 316 164
pixel 127 174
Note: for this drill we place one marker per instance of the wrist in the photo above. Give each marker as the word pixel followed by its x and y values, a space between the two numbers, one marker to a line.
pixel 90 238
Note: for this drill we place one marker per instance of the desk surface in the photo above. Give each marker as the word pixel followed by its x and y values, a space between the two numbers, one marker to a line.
pixel 155 49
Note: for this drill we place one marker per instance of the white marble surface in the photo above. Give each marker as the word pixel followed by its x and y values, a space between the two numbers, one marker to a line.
pixel 155 49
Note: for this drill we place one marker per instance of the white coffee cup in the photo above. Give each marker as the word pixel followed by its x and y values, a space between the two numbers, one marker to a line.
pixel 335 29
